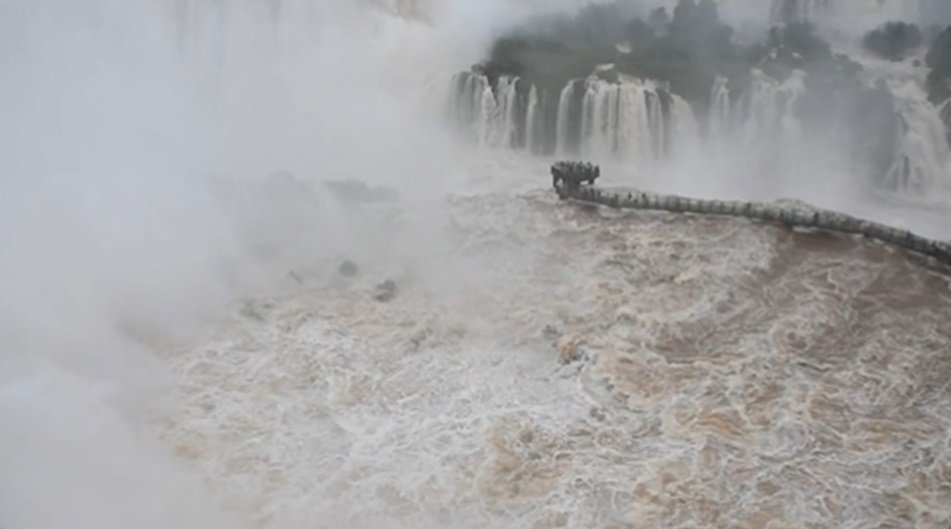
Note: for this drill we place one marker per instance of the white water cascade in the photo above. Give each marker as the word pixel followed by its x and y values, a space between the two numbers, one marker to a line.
pixel 720 110
pixel 630 119
pixel 620 118
pixel 483 115
pixel 562 127
pixel 923 157
pixel 766 109
pixel 532 116
pixel 921 154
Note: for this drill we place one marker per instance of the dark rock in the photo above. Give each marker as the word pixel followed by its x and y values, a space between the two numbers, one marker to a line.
pixel 348 269
pixel 385 291
pixel 354 191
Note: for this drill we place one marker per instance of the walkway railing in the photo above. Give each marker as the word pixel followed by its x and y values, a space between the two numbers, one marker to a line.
pixel 789 215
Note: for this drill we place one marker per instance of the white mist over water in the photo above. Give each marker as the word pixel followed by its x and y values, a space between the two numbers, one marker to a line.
pixel 112 240
pixel 323 407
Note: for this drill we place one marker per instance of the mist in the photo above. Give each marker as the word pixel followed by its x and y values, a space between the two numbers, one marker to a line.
pixel 115 120
pixel 145 149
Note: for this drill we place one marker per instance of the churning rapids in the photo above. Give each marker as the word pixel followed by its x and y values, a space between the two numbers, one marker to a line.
pixel 553 366
pixel 565 367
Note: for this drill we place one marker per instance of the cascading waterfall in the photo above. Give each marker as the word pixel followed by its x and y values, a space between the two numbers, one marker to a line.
pixel 507 103
pixel 636 120
pixel 720 109
pixel 918 157
pixel 562 128
pixel 767 107
pixel 921 154
pixel 483 117
pixel 629 119
pixel 684 127
pixel 656 123
pixel 488 115
pixel 532 121
pixel 923 157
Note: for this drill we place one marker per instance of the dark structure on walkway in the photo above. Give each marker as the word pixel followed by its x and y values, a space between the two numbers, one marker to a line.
pixel 801 216
pixel 572 175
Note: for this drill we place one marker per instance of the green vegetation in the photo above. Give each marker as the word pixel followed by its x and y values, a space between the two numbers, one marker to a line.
pixel 893 40
pixel 691 46
pixel 688 49
pixel 939 60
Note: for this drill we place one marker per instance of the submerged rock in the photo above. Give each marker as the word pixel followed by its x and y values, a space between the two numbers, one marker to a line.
pixel 348 268
pixel 385 291
pixel 569 349
pixel 355 191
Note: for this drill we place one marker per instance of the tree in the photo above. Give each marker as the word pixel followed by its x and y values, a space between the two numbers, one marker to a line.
pixel 938 59
pixel 893 40
pixel 659 21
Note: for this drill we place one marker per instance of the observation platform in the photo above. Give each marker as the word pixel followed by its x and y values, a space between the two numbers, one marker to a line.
pixel 572 177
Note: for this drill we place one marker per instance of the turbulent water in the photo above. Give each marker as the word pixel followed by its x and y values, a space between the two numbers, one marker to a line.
pixel 541 365
pixel 565 367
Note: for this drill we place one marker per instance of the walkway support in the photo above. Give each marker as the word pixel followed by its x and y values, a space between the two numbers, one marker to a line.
pixel 802 216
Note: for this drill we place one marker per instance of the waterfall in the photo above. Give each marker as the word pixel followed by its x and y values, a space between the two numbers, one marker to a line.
pixel 488 109
pixel 629 119
pixel 916 157
pixel 919 155
pixel 768 107
pixel 684 123
pixel 922 153
pixel 656 124
pixel 531 121
pixel 468 104
pixel 599 119
pixel 507 102
pixel 562 129
pixel 488 117
pixel 720 111
pixel 633 122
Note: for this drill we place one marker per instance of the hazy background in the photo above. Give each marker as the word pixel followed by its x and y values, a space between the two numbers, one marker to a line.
pixel 109 231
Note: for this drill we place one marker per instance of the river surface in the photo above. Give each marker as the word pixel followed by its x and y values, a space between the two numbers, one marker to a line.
pixel 552 365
